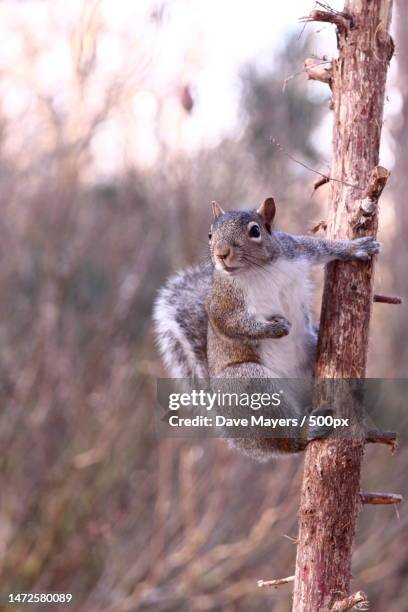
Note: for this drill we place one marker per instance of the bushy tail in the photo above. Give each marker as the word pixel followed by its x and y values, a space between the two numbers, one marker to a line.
pixel 181 322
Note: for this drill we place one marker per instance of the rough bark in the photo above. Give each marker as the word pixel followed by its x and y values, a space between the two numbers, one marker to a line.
pixel 330 491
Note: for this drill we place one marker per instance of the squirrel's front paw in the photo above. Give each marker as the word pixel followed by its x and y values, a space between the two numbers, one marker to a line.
pixel 365 248
pixel 278 326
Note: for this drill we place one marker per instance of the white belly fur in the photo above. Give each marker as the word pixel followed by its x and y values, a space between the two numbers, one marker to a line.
pixel 283 288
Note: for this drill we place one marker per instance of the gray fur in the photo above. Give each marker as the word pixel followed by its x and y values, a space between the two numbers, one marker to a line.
pixel 231 288
pixel 180 315
pixel 181 322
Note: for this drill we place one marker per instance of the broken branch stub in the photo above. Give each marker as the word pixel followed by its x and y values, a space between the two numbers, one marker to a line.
pixel 369 202
pixel 379 499
pixel 318 70
pixel 348 603
pixel 341 19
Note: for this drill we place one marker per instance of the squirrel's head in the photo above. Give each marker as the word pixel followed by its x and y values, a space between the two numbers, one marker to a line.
pixel 241 240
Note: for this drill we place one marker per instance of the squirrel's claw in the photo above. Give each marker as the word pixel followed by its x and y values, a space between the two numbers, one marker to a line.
pixel 366 247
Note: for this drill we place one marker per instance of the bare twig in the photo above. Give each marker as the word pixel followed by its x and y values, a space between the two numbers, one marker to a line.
pixel 275 583
pixel 317 62
pixel 328 178
pixel 380 498
pixel 290 77
pixel 386 299
pixel 349 603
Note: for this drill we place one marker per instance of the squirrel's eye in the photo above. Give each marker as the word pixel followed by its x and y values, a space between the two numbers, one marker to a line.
pixel 209 236
pixel 254 231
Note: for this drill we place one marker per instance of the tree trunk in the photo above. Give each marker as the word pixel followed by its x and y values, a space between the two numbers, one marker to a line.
pixel 329 499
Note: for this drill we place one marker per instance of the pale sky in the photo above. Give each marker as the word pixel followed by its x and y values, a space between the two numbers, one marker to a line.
pixel 201 42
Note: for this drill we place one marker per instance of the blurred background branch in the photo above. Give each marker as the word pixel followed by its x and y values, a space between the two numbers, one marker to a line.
pixel 108 166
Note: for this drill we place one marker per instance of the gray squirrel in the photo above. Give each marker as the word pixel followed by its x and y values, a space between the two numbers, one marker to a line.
pixel 247 315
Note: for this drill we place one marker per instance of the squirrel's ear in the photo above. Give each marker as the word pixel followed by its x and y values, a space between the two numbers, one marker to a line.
pixel 217 210
pixel 267 212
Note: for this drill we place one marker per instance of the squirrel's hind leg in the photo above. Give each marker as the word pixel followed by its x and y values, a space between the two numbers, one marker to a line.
pixel 254 379
pixel 264 449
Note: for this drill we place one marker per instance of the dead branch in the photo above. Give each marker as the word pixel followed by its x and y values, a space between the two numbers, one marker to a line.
pixel 275 583
pixel 380 498
pixel 382 437
pixel 386 299
pixel 342 20
pixel 350 602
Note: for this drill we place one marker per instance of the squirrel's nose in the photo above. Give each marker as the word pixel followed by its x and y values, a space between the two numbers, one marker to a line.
pixel 222 250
